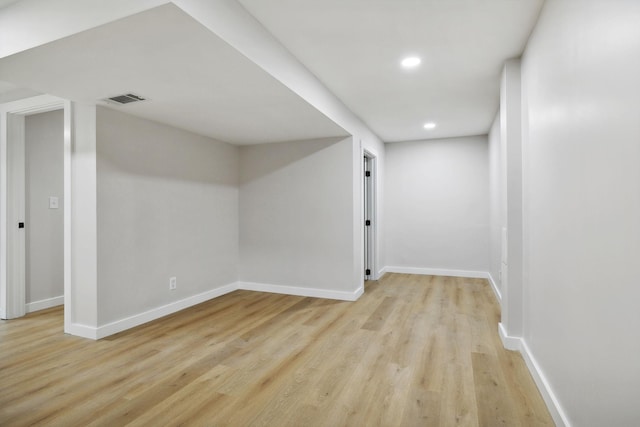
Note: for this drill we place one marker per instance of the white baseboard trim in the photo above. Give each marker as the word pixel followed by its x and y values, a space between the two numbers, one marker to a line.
pixel 518 344
pixel 303 292
pixel 44 303
pixel 82 331
pixel 381 273
pixel 509 342
pixel 438 272
pixel 556 410
pixel 156 313
pixel 494 286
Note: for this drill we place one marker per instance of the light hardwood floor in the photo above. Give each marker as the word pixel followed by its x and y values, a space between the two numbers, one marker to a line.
pixel 413 351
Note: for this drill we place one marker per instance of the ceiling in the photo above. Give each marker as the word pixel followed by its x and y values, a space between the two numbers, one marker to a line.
pixel 354 47
pixel 192 79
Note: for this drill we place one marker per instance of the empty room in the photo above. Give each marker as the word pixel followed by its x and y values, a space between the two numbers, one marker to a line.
pixel 319 213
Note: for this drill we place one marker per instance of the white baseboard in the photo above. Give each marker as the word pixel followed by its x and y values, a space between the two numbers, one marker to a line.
pixel 438 272
pixel 556 410
pixel 156 313
pixel 495 288
pixel 509 342
pixel 518 344
pixel 381 273
pixel 82 331
pixel 44 303
pixel 303 292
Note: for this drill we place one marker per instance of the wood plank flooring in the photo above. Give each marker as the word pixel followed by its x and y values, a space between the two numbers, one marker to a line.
pixel 413 351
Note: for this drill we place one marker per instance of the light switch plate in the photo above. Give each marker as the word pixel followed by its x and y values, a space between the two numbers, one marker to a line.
pixel 53 202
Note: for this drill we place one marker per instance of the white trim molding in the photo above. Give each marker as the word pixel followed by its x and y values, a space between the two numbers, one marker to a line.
pixel 495 288
pixel 44 303
pixel 82 331
pixel 509 342
pixel 553 404
pixel 438 272
pixel 303 292
pixel 158 312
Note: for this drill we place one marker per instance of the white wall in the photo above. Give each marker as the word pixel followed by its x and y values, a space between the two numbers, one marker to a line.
pixel 231 22
pixel 44 227
pixel 167 206
pixel 18 93
pixel 437 205
pixel 297 215
pixel 581 95
pixel 496 202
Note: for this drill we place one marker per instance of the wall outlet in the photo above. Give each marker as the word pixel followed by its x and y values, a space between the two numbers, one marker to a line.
pixel 53 202
pixel 172 283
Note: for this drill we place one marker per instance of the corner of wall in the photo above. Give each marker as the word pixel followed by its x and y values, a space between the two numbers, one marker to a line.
pixel 82 331
pixel 546 391
pixel 496 289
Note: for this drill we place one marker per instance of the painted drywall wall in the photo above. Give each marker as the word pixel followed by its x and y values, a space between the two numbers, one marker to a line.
pixel 44 140
pixel 437 204
pixel 15 94
pixel 231 22
pixel 581 94
pixel 297 215
pixel 168 207
pixel 226 18
pixel 496 195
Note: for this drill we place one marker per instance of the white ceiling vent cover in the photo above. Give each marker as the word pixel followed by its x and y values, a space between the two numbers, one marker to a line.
pixel 125 99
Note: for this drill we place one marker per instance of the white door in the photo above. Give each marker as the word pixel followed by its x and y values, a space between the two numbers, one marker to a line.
pixel 369 216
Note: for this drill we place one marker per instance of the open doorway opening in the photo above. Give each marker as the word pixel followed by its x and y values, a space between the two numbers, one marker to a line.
pixel 35 184
pixel 44 210
pixel 369 232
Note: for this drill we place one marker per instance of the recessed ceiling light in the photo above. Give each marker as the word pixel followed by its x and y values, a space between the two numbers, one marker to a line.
pixel 410 62
pixel 429 125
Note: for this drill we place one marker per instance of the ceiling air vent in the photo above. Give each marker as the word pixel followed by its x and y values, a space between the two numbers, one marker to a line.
pixel 126 99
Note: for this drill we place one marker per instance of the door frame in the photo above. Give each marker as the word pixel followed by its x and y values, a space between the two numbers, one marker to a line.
pixel 12 202
pixel 369 206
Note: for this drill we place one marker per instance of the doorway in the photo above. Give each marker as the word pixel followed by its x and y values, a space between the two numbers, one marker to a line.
pixel 44 210
pixel 369 203
pixel 13 204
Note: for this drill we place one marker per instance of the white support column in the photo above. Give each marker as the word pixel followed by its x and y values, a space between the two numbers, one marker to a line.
pixel 83 292
pixel 511 136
